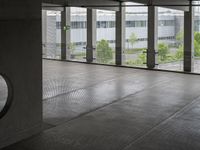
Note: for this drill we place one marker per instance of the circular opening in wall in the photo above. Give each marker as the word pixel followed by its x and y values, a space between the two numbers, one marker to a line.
pixel 5 95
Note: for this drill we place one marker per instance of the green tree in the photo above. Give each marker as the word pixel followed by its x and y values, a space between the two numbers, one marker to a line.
pixel 132 39
pixel 104 52
pixel 180 37
pixel 179 53
pixel 141 59
pixel 197 36
pixel 163 50
pixel 197 44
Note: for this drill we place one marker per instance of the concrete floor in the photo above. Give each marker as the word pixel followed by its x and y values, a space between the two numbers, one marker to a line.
pixel 92 107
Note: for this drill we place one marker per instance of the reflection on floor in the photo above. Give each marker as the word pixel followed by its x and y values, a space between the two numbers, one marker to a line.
pixel 92 107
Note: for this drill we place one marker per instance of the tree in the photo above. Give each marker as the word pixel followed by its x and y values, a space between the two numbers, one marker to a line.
pixel 104 52
pixel 180 37
pixel 179 53
pixel 163 50
pixel 197 36
pixel 132 39
pixel 197 44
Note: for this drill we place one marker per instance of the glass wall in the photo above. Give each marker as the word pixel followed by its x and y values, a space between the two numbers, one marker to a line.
pixel 105 37
pixel 170 39
pixel 51 34
pixel 136 22
pixel 196 23
pixel 170 36
pixel 77 34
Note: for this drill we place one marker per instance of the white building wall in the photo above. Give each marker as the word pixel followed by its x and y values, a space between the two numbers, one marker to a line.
pixel 79 35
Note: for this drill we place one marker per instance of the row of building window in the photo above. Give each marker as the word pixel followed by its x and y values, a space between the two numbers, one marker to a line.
pixel 127 40
pixel 111 24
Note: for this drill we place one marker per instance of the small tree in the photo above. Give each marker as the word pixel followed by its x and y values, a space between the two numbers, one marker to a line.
pixel 132 39
pixel 163 50
pixel 179 53
pixel 104 52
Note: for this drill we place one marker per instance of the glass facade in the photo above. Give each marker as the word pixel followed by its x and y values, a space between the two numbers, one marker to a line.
pixel 77 34
pixel 196 33
pixel 105 37
pixel 136 22
pixel 170 25
pixel 51 34
pixel 170 39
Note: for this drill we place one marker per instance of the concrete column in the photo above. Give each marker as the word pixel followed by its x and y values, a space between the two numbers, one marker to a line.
pixel 63 35
pixel 120 35
pixel 152 37
pixel 188 40
pixel 68 32
pixel 91 35
pixel 21 61
pixel 44 33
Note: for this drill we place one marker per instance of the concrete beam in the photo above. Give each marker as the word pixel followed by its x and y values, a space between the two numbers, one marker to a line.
pixel 92 2
pixel 54 7
pixel 113 8
pixel 182 8
pixel 96 4
pixel 164 3
pixel 55 2
pixel 145 2
pixel 170 2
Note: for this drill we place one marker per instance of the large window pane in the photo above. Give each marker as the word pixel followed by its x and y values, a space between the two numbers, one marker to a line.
pixel 135 36
pixel 197 38
pixel 51 34
pixel 78 34
pixel 105 46
pixel 170 39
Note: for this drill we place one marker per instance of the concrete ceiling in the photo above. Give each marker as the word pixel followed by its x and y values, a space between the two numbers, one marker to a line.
pixel 115 2
pixel 162 2
pixel 110 3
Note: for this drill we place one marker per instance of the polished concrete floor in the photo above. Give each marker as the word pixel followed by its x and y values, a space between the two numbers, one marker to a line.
pixel 93 107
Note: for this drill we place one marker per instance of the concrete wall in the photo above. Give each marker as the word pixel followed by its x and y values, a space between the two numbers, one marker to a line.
pixel 20 60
